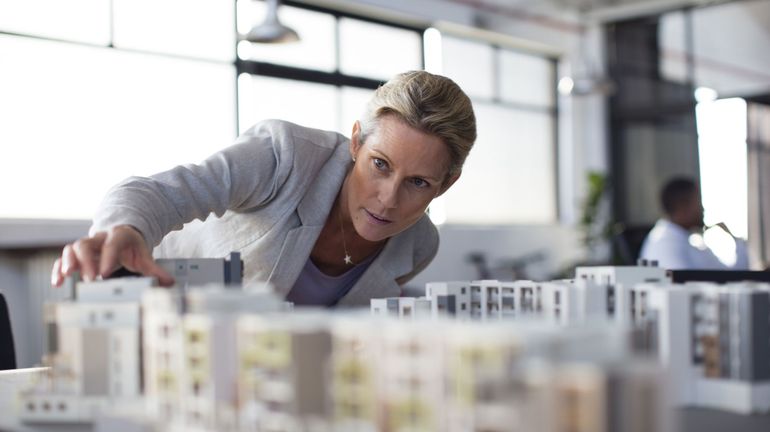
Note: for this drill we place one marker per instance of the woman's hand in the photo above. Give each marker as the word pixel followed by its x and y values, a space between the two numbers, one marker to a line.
pixel 105 252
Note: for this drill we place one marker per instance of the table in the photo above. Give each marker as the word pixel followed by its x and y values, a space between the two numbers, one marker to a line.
pixel 690 419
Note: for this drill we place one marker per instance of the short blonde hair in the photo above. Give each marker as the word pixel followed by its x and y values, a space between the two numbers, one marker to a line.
pixel 430 103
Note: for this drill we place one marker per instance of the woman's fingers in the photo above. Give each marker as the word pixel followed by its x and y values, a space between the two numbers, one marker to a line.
pixel 125 246
pixel 69 261
pixel 87 252
pixel 56 276
pixel 150 268
pixel 109 259
pixel 104 252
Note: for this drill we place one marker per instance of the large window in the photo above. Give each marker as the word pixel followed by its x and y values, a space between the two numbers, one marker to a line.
pixel 90 95
pixel 510 175
pixel 722 149
pixel 94 91
pixel 325 79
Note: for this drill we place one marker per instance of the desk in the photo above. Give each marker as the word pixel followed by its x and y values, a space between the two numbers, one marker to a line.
pixel 710 420
pixel 690 419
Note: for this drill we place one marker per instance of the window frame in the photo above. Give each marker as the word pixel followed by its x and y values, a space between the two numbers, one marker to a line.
pixel 335 78
pixel 497 100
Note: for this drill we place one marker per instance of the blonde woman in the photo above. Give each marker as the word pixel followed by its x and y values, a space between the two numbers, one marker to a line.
pixel 326 219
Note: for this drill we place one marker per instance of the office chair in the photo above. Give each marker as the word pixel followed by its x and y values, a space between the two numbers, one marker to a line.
pixel 7 351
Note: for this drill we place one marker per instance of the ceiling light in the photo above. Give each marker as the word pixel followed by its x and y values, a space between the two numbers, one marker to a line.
pixel 271 30
pixel 705 94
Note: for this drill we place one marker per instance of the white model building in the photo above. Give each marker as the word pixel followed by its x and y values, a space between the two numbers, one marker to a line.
pixel 403 307
pixel 163 353
pixel 570 302
pixel 194 272
pixel 714 341
pixel 615 281
pixel 95 352
pixel 480 366
pixel 412 377
pixel 484 299
pixel 629 396
pixel 450 298
pixel 209 380
pixel 523 356
pixel 282 371
pixel 596 292
pixel 96 363
pixel 355 373
pixel 564 301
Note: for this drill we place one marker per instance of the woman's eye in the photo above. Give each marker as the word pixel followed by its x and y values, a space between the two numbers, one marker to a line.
pixel 420 183
pixel 380 164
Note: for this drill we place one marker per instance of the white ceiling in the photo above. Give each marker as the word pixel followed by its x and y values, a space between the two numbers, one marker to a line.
pixel 598 9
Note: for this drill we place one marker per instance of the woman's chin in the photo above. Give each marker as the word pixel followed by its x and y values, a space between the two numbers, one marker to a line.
pixel 373 234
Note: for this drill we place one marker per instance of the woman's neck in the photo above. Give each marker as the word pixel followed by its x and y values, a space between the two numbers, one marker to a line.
pixel 339 239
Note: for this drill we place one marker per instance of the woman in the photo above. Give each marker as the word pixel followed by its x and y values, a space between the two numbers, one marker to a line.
pixel 326 220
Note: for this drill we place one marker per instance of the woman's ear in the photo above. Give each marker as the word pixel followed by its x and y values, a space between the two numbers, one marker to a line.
pixel 355 140
pixel 448 184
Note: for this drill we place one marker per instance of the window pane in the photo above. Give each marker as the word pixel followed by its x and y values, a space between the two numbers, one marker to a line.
pixel 735 63
pixel 526 79
pixel 307 104
pixel 315 50
pixel 353 102
pixel 469 64
pixel 672 39
pixel 377 51
pixel 722 150
pixel 75 20
pixel 102 115
pixel 509 176
pixel 194 28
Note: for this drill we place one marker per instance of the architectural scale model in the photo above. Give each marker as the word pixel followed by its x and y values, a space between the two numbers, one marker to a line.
pixel 469 356
pixel 713 339
pixel 95 342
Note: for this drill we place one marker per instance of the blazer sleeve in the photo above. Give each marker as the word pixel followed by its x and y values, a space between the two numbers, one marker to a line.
pixel 242 177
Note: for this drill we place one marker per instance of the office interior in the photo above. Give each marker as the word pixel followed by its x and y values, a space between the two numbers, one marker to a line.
pixel 585 108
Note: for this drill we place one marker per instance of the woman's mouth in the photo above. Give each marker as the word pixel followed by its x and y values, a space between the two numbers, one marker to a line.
pixel 376 219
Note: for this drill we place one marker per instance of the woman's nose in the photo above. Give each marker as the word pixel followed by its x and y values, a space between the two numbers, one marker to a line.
pixel 388 193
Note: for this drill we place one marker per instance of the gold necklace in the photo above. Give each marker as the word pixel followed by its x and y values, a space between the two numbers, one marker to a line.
pixel 348 259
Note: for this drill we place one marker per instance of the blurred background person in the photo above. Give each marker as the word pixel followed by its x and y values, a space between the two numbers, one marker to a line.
pixel 675 241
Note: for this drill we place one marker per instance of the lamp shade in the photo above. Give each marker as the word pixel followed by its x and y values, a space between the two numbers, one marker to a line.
pixel 271 30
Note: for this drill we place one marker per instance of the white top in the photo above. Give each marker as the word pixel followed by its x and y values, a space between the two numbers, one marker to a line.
pixel 315 288
pixel 670 245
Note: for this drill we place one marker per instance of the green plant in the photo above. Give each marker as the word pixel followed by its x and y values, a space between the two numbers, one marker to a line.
pixel 593 228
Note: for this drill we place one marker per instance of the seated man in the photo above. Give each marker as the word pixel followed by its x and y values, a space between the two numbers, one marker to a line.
pixel 669 242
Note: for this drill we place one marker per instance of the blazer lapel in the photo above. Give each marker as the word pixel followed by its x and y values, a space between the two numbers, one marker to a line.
pixel 295 251
pixel 313 209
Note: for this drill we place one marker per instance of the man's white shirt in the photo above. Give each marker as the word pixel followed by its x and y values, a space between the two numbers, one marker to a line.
pixel 671 245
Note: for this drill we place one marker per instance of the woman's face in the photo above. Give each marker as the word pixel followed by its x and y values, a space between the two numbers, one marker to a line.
pixel 396 174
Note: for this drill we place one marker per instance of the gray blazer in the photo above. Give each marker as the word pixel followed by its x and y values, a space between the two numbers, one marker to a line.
pixel 267 196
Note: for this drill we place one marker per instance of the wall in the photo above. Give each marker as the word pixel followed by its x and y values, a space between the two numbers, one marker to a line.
pixel 28 249
pixel 729 47
pixel 548 250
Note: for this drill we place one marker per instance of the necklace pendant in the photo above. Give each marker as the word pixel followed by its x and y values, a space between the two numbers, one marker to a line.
pixel 348 260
